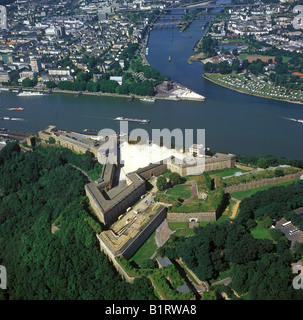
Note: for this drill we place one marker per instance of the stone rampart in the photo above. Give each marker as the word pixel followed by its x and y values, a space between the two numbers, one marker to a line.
pixel 263 182
pixel 184 217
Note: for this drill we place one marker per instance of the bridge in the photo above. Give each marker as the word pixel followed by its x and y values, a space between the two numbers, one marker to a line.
pixel 207 7
pixel 172 23
pixel 199 16
pixel 161 21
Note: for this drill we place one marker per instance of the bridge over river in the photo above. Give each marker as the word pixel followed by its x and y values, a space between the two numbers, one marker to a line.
pixel 161 20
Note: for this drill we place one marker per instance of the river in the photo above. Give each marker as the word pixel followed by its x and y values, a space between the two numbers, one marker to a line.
pixel 234 122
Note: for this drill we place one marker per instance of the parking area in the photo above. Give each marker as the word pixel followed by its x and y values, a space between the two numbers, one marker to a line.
pixel 291 232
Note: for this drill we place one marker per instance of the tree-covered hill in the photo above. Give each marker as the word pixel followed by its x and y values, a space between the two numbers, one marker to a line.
pixel 260 268
pixel 39 190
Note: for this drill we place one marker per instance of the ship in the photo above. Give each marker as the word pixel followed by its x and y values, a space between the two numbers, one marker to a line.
pixel 145 121
pixel 148 99
pixel 205 26
pixel 16 109
pixel 29 93
pixel 89 130
pixel 299 120
pixel 146 51
pixel 5 118
pixel 169 59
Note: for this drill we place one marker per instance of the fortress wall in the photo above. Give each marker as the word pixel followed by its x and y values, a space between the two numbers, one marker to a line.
pixel 155 170
pixel 263 182
pixel 219 164
pixel 146 232
pixel 184 217
pixel 97 210
pixel 195 170
pixel 112 258
pixel 177 168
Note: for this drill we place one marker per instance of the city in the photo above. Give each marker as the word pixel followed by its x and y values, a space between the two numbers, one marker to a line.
pixel 91 211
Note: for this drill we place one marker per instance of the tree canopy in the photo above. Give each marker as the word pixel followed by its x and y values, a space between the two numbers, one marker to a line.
pixel 47 232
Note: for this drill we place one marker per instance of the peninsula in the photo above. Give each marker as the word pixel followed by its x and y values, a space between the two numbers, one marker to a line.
pixel 253 53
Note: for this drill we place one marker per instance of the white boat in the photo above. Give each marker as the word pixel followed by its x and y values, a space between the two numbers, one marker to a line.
pixel 145 121
pixel 148 99
pixel 29 93
pixel 299 120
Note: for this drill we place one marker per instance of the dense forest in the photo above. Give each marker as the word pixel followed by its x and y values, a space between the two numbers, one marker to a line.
pixel 259 268
pixel 47 232
pixel 269 161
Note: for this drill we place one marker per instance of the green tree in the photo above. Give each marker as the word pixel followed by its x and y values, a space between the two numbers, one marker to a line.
pixel 162 183
pixel 50 84
pixel 224 67
pixel 175 178
pixel 27 83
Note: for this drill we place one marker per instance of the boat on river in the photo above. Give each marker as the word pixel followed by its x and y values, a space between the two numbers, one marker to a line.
pixel 29 94
pixel 144 121
pixel 148 99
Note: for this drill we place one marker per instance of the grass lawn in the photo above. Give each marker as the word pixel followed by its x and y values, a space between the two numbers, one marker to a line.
pixel 260 232
pixel 226 172
pixel 217 76
pixel 177 225
pixel 180 191
pixel 181 229
pixel 146 250
pixel 240 195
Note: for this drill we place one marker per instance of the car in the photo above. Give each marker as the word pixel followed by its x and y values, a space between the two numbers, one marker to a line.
pixel 293 231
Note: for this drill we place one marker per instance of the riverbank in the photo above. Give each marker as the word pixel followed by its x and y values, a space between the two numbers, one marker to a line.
pixel 197 57
pixel 248 93
pixel 176 92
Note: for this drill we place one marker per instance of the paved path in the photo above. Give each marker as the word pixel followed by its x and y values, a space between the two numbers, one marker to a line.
pixel 235 209
pixel 83 172
pixel 225 281
pixel 163 233
pixel 194 191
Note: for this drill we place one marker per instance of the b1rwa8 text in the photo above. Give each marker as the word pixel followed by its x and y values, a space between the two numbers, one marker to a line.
pixel 172 309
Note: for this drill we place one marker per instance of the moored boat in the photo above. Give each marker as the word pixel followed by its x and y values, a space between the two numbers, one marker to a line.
pixel 29 93
pixel 148 99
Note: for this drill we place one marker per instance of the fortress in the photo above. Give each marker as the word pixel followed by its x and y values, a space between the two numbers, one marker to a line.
pixel 120 187
pixel 108 203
